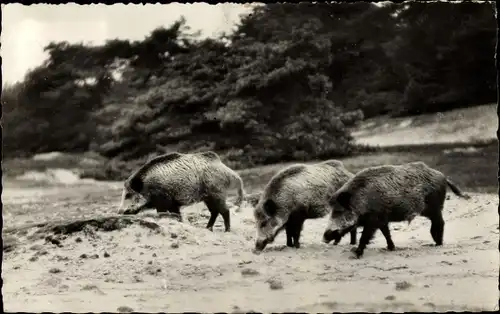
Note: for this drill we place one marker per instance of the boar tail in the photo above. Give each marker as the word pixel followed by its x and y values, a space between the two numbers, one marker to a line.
pixel 456 189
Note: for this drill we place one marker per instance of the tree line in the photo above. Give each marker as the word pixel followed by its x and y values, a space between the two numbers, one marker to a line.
pixel 287 84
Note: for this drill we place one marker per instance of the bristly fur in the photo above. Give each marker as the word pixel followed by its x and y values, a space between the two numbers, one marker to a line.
pixel 278 180
pixel 392 193
pixel 176 179
pixel 139 173
pixel 294 194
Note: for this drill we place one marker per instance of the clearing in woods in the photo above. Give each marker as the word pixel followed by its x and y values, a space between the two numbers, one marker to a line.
pixel 59 255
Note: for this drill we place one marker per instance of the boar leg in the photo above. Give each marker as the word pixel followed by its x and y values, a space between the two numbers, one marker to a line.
pixel 296 223
pixel 217 205
pixel 368 233
pixel 353 235
pixel 434 203
pixel 298 231
pixel 165 204
pixel 387 234
pixel 437 228
pixel 343 232
pixel 294 228
pixel 289 232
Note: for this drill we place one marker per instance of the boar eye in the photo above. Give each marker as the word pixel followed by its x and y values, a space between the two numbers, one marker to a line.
pixel 263 224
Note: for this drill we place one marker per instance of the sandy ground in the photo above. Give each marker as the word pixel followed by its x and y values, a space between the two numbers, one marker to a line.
pixel 465 125
pixel 184 267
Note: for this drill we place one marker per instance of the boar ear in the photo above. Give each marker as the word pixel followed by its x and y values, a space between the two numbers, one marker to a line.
pixel 270 208
pixel 344 199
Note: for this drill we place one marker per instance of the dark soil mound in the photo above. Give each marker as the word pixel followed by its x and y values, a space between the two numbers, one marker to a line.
pixel 70 226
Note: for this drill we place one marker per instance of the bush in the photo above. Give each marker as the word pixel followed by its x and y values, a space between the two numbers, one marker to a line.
pixel 288 84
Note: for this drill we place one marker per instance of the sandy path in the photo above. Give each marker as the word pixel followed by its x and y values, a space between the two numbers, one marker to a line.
pixel 188 268
pixel 457 126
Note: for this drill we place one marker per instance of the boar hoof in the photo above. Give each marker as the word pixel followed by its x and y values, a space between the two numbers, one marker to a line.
pixel 357 252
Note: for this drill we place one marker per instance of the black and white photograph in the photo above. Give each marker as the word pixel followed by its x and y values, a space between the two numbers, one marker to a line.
pixel 250 157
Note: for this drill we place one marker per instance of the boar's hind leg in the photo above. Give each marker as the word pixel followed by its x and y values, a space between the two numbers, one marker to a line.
pixel 434 203
pixel 387 234
pixel 217 205
pixel 437 227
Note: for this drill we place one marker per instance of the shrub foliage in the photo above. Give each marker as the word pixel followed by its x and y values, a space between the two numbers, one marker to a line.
pixel 287 84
